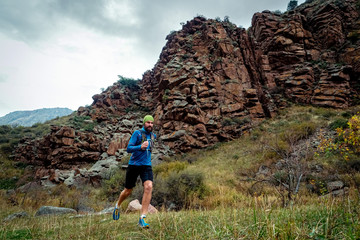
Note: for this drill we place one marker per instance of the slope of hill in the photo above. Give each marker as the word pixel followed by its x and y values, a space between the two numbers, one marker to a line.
pixel 29 118
pixel 215 81
pixel 233 190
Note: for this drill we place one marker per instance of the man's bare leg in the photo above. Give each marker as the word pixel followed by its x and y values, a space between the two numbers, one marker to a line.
pixel 146 197
pixel 123 195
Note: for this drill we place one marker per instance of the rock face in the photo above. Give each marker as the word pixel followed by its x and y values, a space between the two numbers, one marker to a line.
pixel 213 81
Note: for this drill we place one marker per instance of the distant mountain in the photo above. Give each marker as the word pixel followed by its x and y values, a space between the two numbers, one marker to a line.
pixel 29 118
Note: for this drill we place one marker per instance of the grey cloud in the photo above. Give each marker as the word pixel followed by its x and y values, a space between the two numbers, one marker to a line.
pixel 36 19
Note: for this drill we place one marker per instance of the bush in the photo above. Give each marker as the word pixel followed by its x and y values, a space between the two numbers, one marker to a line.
pixel 338 123
pixel 177 190
pixel 354 36
pixel 8 183
pixel 83 123
pixel 185 186
pixel 130 83
pixel 347 142
pixel 296 132
pixel 7 148
pixel 325 113
pixel 112 187
pixel 165 169
pixel 235 121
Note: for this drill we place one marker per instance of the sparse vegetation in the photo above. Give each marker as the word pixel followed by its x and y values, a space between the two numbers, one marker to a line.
pixel 213 189
pixel 130 83
pixel 83 123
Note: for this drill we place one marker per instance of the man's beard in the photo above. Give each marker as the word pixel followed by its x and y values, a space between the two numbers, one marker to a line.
pixel 149 128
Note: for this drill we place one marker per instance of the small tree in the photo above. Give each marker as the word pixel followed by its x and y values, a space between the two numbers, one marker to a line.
pixel 347 142
pixel 292 5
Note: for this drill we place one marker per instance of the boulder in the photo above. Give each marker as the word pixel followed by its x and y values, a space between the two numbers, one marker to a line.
pixel 16 215
pixel 49 210
pixel 135 206
pixel 336 185
pixel 107 211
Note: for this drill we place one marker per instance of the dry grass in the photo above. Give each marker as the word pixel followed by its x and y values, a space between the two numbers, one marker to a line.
pixel 227 210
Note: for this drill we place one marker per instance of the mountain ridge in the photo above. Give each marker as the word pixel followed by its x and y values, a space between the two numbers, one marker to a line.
pixel 28 118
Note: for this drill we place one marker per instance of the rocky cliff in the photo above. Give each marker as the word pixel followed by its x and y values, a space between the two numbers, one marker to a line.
pixel 213 81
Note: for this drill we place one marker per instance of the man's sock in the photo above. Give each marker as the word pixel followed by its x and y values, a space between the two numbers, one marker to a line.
pixel 143 216
pixel 116 205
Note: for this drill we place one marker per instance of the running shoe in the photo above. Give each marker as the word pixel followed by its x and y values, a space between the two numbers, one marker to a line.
pixel 116 213
pixel 143 223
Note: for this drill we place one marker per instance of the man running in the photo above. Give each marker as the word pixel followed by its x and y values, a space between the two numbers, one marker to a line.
pixel 140 146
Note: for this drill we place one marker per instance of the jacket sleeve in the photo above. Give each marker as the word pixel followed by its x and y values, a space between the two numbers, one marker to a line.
pixel 132 147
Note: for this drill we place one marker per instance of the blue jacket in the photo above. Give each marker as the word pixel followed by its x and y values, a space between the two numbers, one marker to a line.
pixel 139 157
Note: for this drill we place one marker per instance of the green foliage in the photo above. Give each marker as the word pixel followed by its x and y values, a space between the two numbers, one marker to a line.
pixel 19 234
pixel 354 36
pixel 338 123
pixel 292 5
pixel 325 113
pixel 185 186
pixel 130 83
pixel 297 131
pixel 235 121
pixel 165 95
pixel 347 143
pixel 111 187
pixel 317 185
pixel 8 183
pixel 83 123
pixel 175 186
pixel 135 108
pixel 320 63
pixel 166 168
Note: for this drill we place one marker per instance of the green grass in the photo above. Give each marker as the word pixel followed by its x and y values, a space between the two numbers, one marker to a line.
pixel 328 219
pixel 225 209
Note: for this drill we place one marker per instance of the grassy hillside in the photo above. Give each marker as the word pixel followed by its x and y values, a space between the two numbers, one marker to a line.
pixel 222 192
pixel 324 220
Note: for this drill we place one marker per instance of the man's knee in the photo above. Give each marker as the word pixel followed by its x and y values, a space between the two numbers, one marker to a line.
pixel 127 191
pixel 148 185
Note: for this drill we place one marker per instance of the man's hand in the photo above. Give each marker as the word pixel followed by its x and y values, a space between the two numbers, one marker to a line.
pixel 144 145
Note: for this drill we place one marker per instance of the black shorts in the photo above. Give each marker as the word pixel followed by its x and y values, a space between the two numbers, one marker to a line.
pixel 132 173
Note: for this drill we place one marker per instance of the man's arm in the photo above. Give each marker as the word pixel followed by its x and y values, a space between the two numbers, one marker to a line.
pixel 131 146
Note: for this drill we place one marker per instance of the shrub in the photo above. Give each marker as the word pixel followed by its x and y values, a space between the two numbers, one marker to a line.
pixel 111 188
pixel 83 123
pixel 325 113
pixel 354 36
pixel 185 186
pixel 317 185
pixel 8 183
pixel 296 132
pixel 165 169
pixel 130 83
pixel 6 148
pixel 338 123
pixel 235 121
pixel 347 142
pixel 177 190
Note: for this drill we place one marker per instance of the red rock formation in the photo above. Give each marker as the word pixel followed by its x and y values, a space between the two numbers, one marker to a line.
pixel 214 80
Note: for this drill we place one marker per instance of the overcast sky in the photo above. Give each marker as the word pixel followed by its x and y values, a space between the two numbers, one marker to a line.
pixel 59 53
